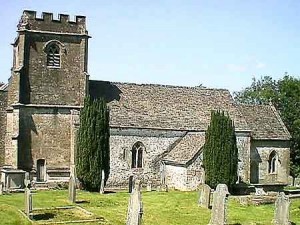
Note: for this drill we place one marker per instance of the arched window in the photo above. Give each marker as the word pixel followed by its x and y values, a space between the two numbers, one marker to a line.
pixel 137 155
pixel 273 160
pixel 53 54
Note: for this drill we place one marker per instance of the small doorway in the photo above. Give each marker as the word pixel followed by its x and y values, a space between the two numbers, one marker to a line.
pixel 40 170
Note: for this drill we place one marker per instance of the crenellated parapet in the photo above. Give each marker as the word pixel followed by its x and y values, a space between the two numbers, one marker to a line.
pixel 47 23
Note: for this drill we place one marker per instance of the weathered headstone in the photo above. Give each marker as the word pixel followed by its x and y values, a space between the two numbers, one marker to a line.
pixel 27 180
pixel 204 198
pixel 1 188
pixel 102 182
pixel 130 184
pixel 28 202
pixel 72 185
pixel 135 206
pixel 219 205
pixel 28 196
pixel 282 213
pixel 149 185
pixel 291 181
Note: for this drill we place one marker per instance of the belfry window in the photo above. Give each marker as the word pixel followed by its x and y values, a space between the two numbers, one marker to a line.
pixel 137 155
pixel 53 55
pixel 273 162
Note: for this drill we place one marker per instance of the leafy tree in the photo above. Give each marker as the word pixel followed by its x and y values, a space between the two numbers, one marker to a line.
pixel 220 154
pixel 284 94
pixel 92 154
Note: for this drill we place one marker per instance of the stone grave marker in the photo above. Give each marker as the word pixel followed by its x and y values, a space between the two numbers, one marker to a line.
pixel 282 210
pixel 1 188
pixel 135 206
pixel 72 185
pixel 291 181
pixel 219 205
pixel 149 185
pixel 204 198
pixel 102 182
pixel 28 196
pixel 297 182
pixel 130 184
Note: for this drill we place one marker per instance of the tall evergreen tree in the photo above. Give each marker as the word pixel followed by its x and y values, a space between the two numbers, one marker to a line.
pixel 92 155
pixel 220 154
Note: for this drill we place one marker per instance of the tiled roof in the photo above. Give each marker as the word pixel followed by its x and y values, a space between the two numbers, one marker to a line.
pixel 164 107
pixel 264 122
pixel 187 148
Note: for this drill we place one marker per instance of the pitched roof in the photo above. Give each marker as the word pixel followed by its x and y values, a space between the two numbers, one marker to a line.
pixel 187 148
pixel 264 122
pixel 164 107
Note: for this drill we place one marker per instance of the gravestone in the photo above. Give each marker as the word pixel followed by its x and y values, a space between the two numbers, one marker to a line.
pixel 219 205
pixel 72 185
pixel 149 185
pixel 130 184
pixel 135 206
pixel 204 198
pixel 1 188
pixel 102 182
pixel 282 213
pixel 28 196
pixel 28 203
pixel 291 181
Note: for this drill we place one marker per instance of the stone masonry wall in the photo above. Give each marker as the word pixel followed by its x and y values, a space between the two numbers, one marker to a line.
pixel 3 105
pixel 65 85
pixel 243 144
pixel 260 152
pixel 45 133
pixel 121 143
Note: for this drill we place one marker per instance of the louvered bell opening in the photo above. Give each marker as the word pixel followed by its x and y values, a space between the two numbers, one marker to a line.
pixel 53 56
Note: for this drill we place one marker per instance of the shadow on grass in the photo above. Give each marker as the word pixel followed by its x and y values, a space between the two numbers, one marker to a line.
pixel 109 192
pixel 44 216
pixel 82 202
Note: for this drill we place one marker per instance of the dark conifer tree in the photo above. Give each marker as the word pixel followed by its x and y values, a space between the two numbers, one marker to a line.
pixel 92 155
pixel 220 153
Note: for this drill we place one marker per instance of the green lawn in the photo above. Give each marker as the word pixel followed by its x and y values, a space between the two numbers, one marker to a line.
pixel 160 208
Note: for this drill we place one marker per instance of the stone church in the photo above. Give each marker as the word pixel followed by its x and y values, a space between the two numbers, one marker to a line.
pixel 157 132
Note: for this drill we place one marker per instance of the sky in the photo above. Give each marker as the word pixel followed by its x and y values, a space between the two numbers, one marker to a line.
pixel 217 44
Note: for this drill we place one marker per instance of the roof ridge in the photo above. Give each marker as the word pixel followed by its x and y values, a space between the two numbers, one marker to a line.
pixel 164 85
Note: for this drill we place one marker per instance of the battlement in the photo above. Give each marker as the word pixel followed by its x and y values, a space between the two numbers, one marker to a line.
pixel 63 24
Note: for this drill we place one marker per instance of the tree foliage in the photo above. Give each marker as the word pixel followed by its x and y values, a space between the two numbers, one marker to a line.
pixel 220 154
pixel 92 154
pixel 285 96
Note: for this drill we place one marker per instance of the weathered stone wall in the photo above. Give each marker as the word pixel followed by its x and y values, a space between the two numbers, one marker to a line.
pixel 45 133
pixel 55 86
pixel 195 174
pixel 243 144
pixel 3 106
pixel 176 177
pixel 121 142
pixel 260 152
pixel 185 178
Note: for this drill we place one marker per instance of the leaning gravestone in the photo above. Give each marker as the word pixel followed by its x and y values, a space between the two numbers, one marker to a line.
pixel 204 199
pixel 72 185
pixel 135 206
pixel 219 205
pixel 282 213
pixel 102 182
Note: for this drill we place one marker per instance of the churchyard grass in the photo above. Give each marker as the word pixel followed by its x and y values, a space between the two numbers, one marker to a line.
pixel 172 208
